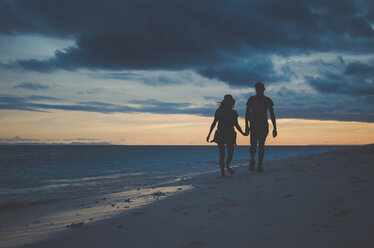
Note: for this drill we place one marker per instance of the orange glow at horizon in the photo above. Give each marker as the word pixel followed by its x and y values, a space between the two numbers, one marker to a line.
pixel 156 129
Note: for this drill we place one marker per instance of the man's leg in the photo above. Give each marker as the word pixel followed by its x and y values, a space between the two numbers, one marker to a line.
pixel 261 153
pixel 221 148
pixel 252 151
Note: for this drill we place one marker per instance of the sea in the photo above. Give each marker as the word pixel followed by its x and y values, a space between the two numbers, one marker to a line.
pixel 42 173
pixel 45 189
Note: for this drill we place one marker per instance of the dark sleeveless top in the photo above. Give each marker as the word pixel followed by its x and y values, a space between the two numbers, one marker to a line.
pixel 226 120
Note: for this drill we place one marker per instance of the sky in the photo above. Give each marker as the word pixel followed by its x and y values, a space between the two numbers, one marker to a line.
pixel 150 72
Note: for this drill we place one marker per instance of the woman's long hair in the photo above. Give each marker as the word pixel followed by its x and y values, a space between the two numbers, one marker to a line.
pixel 227 102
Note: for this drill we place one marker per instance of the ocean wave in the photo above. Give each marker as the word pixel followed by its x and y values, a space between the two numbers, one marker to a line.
pixel 15 205
pixel 84 179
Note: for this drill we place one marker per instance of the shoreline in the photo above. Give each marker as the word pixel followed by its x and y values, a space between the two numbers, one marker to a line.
pixel 19 204
pixel 34 222
pixel 246 200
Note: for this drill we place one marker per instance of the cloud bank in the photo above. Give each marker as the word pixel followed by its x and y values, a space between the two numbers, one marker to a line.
pixel 230 41
pixel 172 34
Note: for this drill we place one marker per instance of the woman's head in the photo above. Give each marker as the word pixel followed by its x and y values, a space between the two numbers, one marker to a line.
pixel 227 102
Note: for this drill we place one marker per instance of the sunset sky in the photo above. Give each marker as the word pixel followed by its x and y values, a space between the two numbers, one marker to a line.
pixel 151 72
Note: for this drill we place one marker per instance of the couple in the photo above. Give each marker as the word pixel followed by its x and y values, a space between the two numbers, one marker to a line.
pixel 256 116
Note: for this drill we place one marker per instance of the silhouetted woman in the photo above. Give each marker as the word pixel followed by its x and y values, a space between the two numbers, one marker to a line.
pixel 225 136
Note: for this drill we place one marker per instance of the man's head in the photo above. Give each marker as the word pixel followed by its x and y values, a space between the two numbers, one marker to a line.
pixel 260 88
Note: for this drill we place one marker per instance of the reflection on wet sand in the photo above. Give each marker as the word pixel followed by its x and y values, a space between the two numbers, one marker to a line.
pixel 24 225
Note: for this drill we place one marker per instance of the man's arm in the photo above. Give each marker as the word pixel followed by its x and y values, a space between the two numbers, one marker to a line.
pixel 247 118
pixel 272 116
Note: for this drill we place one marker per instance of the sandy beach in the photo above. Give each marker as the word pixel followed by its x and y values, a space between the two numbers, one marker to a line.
pixel 321 200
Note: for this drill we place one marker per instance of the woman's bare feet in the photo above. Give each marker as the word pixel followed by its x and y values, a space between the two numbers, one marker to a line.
pixel 231 171
pixel 252 165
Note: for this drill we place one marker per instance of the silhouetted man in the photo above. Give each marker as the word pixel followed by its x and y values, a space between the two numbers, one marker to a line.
pixel 256 114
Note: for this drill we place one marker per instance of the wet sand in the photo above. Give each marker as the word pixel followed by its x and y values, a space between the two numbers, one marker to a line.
pixel 321 200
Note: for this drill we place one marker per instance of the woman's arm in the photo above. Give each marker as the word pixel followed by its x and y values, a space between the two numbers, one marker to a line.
pixel 211 128
pixel 236 124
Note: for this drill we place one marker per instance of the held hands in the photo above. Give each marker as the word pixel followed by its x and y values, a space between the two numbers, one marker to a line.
pixel 246 131
pixel 274 133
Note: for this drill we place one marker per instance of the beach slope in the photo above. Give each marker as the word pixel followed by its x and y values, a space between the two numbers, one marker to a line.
pixel 321 200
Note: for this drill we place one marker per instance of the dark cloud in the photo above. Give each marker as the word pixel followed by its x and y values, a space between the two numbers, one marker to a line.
pixel 324 114
pixel 31 86
pixel 354 79
pixel 146 106
pixel 247 73
pixel 232 41
pixel 160 80
pixel 360 69
pixel 26 103
pixel 345 91
pixel 41 98
pixel 153 103
pixel 116 75
pixel 207 36
pixel 288 104
pixel 215 98
pixel 94 91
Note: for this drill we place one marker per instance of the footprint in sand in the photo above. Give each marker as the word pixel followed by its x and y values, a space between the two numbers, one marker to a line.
pixel 194 244
pixel 196 230
pixel 357 180
pixel 343 212
pixel 138 213
pixel 288 196
pixel 326 226
pixel 221 215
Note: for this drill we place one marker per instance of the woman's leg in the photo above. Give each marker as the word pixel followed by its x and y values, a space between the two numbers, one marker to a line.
pixel 230 153
pixel 221 148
